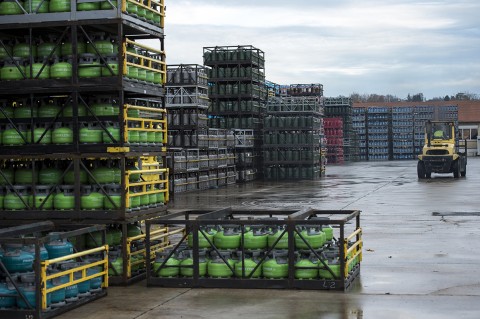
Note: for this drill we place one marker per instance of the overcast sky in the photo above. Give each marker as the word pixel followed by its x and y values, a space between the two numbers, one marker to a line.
pixel 363 46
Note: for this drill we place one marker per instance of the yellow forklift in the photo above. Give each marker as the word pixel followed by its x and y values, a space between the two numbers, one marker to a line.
pixel 441 153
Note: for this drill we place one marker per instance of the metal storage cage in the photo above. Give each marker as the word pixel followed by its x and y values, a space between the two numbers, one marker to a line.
pixel 238 94
pixel 80 90
pixel 53 275
pixel 293 131
pixel 343 107
pixel 273 249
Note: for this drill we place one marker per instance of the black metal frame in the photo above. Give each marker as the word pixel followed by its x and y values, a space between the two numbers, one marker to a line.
pixel 117 24
pixel 194 220
pixel 13 235
pixel 76 163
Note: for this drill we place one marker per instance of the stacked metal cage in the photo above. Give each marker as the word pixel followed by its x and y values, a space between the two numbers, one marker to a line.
pixel 42 274
pixel 83 120
pixel 200 157
pixel 342 107
pixel 238 95
pixel 232 248
pixel 293 131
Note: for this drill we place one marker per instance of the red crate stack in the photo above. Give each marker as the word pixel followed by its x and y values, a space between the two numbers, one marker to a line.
pixel 334 135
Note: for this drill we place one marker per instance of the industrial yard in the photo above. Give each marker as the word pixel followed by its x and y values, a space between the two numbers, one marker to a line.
pixel 419 261
pixel 135 188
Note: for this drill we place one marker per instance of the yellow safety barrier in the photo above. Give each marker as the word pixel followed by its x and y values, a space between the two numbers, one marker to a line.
pixel 354 251
pixel 144 184
pixel 146 124
pixel 70 272
pixel 152 64
pixel 155 6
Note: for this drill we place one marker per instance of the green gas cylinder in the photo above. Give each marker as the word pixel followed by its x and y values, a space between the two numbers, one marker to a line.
pixel 132 8
pixel 40 136
pixel 105 5
pixel 22 50
pixel 25 111
pixel 90 133
pixel 133 137
pixel 255 238
pixel 88 66
pixel 133 230
pixel 305 267
pixel 10 71
pixel 16 198
pixel 278 234
pixel 108 174
pixel 36 6
pixel 331 270
pixel 133 177
pixel 102 44
pixel 25 175
pixel 7 177
pixel 313 235
pixel 144 200
pixel 10 7
pixel 37 71
pixel 165 266
pixel 69 178
pixel 60 6
pixel 50 176
pixel 161 198
pixel 244 268
pixel 68 110
pixel 6 51
pixel 276 267
pixel 187 265
pixel 228 238
pixel 116 264
pixel 65 198
pixel 66 48
pixel 112 61
pixel 113 200
pixel 61 69
pixel 41 199
pixel 116 234
pixel 91 199
pixel 103 107
pixel 158 137
pixel 219 267
pixel 114 132
pixel 151 137
pixel 327 229
pixel 134 201
pixel 48 110
pixel 205 237
pixel 94 239
pixel 8 110
pixel 62 135
pixel 45 48
pixel 88 6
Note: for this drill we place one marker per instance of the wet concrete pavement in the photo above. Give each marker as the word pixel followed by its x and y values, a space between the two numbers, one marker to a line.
pixel 420 254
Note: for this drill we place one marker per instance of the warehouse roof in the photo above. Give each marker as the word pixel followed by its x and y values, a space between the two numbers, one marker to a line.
pixel 468 111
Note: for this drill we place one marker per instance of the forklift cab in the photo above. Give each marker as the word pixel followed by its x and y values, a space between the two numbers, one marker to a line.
pixel 441 131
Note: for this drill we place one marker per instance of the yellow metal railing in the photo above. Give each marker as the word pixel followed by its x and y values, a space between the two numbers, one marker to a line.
pixel 146 124
pixel 145 62
pixel 70 272
pixel 155 6
pixel 159 234
pixel 151 183
pixel 354 251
